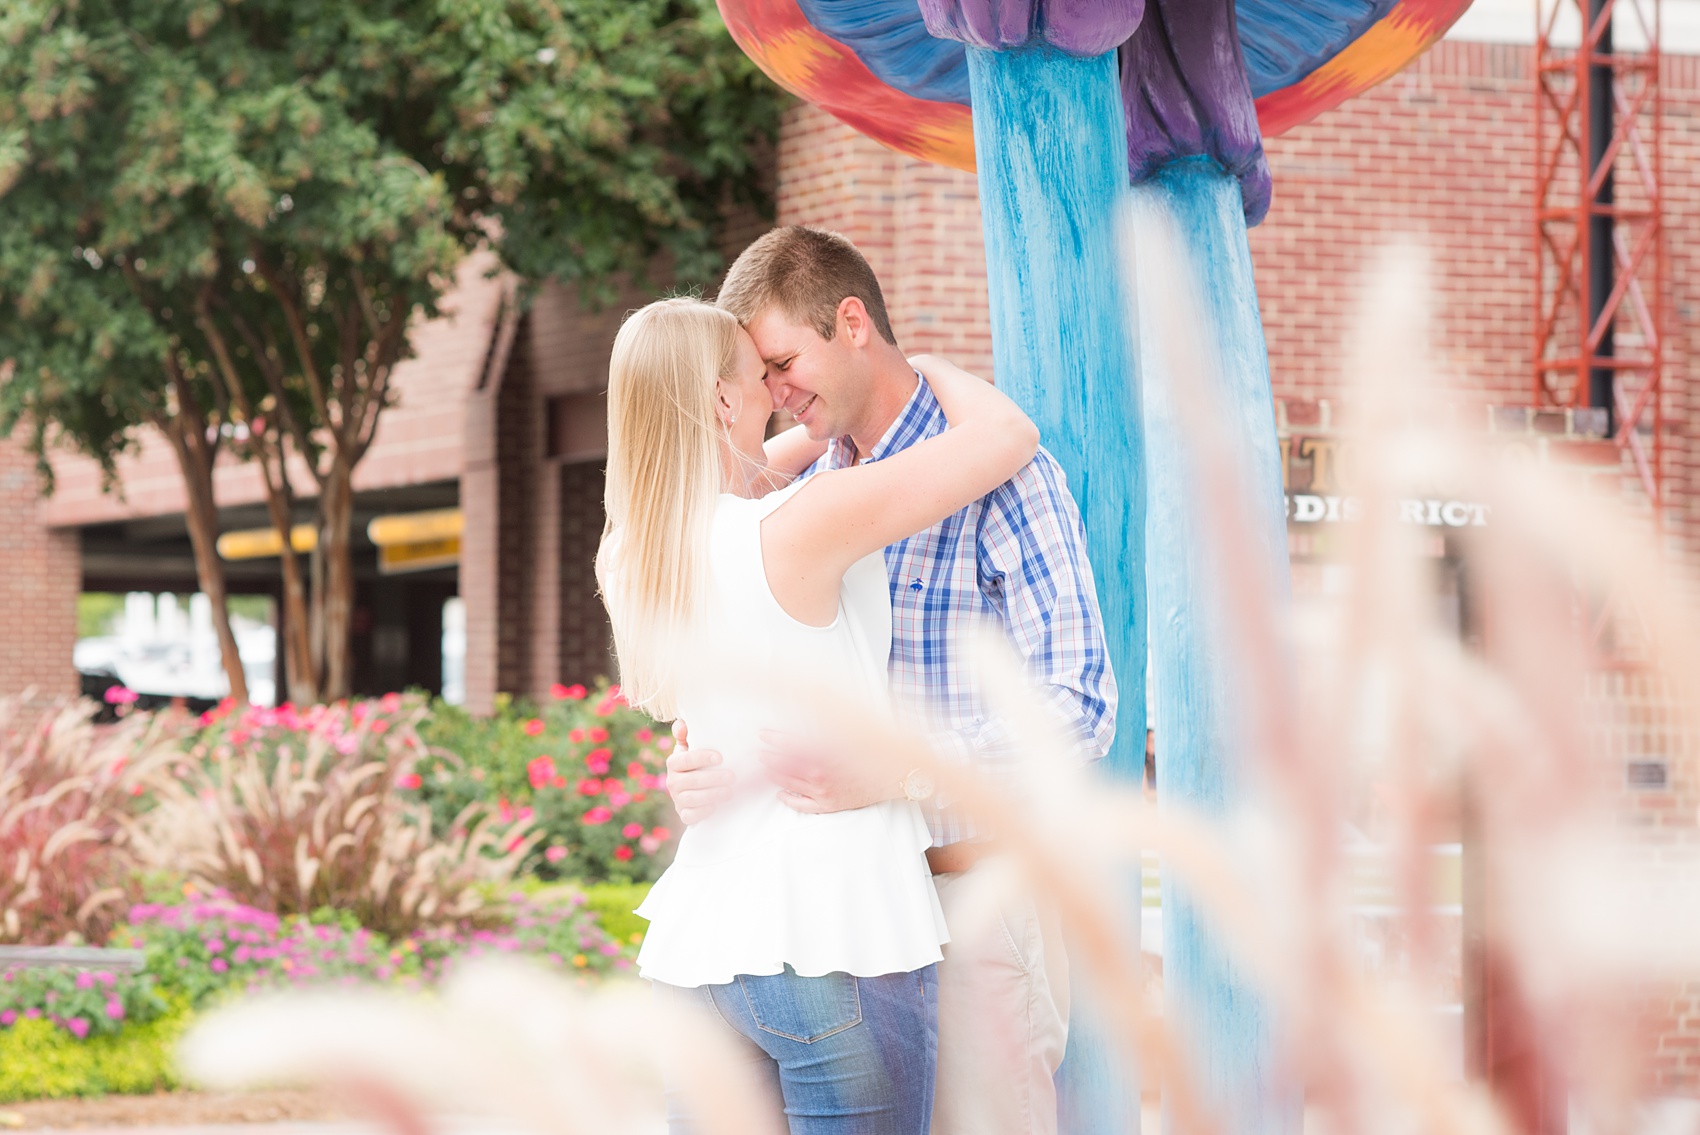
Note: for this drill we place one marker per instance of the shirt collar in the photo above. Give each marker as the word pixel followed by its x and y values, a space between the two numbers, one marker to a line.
pixel 921 406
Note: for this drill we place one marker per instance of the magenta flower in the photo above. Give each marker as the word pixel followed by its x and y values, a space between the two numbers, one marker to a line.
pixel 8 1018
pixel 598 815
pixel 85 980
pixel 219 965
pixel 79 1027
pixel 632 831
pixel 115 1009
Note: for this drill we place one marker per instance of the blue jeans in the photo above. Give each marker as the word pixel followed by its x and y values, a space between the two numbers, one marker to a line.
pixel 847 1055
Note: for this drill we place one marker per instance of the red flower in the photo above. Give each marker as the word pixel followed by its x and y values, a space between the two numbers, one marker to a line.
pixel 534 727
pixel 380 725
pixel 555 854
pixel 541 770
pixel 661 833
pixel 644 736
pixel 573 692
pixel 635 769
pixel 632 831
pixel 558 782
pixel 575 736
pixel 596 764
pixel 599 735
pixel 408 780
pixel 588 787
pixel 622 853
pixel 389 703
pixel 598 815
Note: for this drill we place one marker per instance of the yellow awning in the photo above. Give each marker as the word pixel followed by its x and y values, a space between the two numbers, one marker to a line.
pixel 416 527
pixel 263 543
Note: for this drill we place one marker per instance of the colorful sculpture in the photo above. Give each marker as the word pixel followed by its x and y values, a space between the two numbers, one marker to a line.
pixel 1075 113
pixel 872 63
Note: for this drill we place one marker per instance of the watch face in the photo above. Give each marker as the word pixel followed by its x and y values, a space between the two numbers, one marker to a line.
pixel 918 785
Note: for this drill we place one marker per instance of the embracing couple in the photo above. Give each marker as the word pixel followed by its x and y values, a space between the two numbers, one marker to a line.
pixel 816 907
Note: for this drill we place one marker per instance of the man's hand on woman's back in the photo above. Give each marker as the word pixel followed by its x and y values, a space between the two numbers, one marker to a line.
pixel 695 780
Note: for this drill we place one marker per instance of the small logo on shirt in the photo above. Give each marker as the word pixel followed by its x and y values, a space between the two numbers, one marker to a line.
pixel 917 584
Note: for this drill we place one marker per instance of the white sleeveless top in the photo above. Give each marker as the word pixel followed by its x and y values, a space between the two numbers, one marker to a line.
pixel 757 886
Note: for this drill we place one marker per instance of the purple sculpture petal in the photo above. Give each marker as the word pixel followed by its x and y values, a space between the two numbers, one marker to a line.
pixel 1186 94
pixel 1080 27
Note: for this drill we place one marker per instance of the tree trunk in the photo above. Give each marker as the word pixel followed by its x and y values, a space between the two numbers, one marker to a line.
pixel 303 675
pixel 336 516
pixel 195 461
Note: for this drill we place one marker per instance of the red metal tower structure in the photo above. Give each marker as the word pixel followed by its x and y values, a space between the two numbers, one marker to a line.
pixel 1599 239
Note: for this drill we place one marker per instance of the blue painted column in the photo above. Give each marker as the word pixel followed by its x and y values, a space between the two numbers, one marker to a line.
pixel 1052 156
pixel 1200 739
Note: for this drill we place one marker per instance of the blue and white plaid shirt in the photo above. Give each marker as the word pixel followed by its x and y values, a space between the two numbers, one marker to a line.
pixel 1016 556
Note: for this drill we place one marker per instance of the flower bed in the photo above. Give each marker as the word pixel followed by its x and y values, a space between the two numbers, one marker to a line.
pixel 65 1033
pixel 586 770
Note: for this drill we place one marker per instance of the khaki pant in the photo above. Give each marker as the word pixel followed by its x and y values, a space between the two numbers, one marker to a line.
pixel 1003 1015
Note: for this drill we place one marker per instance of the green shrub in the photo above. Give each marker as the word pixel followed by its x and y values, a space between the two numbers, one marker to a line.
pixel 613 903
pixel 39 1060
pixel 585 769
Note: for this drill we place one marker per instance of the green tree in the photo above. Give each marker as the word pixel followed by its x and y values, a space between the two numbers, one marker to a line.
pixel 221 217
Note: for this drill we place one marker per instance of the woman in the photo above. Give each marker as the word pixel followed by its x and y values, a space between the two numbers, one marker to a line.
pixel 813 936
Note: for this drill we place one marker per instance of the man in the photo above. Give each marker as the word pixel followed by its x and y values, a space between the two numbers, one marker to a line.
pixel 1017 556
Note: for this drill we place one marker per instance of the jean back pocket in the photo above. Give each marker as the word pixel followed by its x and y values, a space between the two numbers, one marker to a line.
pixel 803 1009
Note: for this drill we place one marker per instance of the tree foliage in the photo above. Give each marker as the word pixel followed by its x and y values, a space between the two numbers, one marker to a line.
pixel 221 217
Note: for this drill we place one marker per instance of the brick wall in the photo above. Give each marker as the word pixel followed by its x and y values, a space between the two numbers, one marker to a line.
pixel 38 587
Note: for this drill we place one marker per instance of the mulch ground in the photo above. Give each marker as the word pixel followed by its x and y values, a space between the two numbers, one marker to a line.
pixel 175 1109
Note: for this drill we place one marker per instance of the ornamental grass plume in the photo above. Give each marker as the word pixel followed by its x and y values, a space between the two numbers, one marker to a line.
pixel 504 1041
pixel 68 789
pixel 291 812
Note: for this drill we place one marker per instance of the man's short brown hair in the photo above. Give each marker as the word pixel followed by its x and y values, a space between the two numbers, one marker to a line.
pixel 806 273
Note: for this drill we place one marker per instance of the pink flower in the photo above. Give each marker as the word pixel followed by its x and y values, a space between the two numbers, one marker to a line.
pixel 115 1009
pixel 649 844
pixel 409 780
pixel 346 744
pixel 85 980
pixel 665 744
pixel 534 727
pixel 622 853
pixel 598 735
pixel 555 854
pixel 661 833
pixel 588 787
pixel 598 815
pixel 541 770
pixel 8 1018
pixel 215 945
pixel 78 1026
pixel 504 811
pixel 380 725
pixel 635 770
pixel 389 703
pixel 644 736
pixel 119 695
pixel 597 764
pixel 632 831
pixel 618 799
pixel 573 692
pixel 575 736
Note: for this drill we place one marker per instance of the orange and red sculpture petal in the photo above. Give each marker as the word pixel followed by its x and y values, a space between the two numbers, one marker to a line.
pixel 1410 28
pixel 821 68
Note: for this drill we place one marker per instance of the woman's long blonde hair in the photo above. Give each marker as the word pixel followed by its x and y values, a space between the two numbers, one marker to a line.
pixel 664 473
